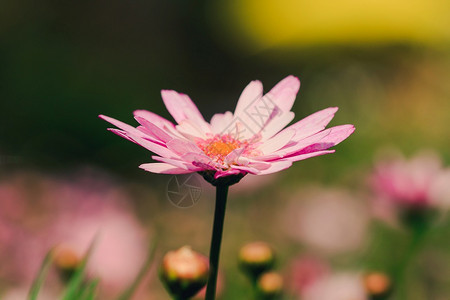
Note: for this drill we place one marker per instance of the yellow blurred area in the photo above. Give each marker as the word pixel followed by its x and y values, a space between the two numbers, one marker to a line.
pixel 285 23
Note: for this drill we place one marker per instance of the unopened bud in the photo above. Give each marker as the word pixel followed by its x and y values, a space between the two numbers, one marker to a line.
pixel 184 272
pixel 256 258
pixel 66 262
pixel 378 285
pixel 270 285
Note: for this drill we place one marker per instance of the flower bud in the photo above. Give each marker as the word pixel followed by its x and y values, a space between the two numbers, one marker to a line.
pixel 184 272
pixel 378 285
pixel 66 262
pixel 256 258
pixel 270 285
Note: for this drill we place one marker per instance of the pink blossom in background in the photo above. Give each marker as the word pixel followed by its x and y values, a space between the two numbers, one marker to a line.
pixel 70 212
pixel 440 190
pixel 409 183
pixel 22 226
pixel 328 221
pixel 12 204
pixel 119 252
pixel 250 140
pixel 338 286
pixel 305 271
pixel 90 207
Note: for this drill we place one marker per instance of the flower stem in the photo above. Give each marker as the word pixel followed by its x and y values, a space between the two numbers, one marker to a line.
pixel 418 237
pixel 216 240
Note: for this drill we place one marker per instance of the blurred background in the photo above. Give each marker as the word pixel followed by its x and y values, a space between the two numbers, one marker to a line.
pixel 385 64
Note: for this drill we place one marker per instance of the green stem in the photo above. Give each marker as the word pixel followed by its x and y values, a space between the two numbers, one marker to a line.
pixel 255 289
pixel 416 244
pixel 216 240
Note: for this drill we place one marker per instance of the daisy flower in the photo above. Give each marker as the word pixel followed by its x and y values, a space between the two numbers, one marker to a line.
pixel 252 140
pixel 413 182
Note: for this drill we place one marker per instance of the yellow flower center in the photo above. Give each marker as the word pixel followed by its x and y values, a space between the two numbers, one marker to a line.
pixel 219 146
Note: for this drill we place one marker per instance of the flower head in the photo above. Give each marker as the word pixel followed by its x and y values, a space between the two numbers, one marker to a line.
pixel 270 285
pixel 378 285
pixel 256 258
pixel 329 221
pixel 184 272
pixel 413 191
pixel 338 286
pixel 305 270
pixel 250 140
pixel 407 183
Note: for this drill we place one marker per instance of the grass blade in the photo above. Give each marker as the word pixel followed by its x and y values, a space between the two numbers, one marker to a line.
pixel 90 291
pixel 76 282
pixel 40 279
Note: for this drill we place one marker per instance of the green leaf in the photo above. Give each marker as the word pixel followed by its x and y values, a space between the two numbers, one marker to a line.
pixel 76 282
pixel 40 279
pixel 90 291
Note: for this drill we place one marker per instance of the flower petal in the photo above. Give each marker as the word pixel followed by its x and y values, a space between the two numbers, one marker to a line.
pixel 252 92
pixel 153 147
pixel 308 155
pixel 201 160
pixel 181 147
pixel 153 118
pixel 120 124
pixel 283 94
pixel 181 107
pixel 220 122
pixel 236 158
pixel 153 130
pixel 259 165
pixel 319 141
pixel 277 142
pixel 273 126
pixel 229 172
pixel 121 133
pixel 157 120
pixel 276 166
pixel 126 129
pixel 177 163
pixel 234 155
pixel 246 169
pixel 269 114
pixel 163 168
pixel 313 123
pixel 190 130
pixel 327 138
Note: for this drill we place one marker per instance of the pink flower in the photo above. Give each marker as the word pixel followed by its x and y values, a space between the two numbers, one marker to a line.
pixel 22 220
pixel 339 286
pixel 38 212
pixel 120 248
pixel 91 208
pixel 305 271
pixel 329 221
pixel 250 140
pixel 409 183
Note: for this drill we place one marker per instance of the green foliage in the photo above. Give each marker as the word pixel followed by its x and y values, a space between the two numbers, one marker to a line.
pixel 80 287
pixel 40 279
